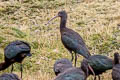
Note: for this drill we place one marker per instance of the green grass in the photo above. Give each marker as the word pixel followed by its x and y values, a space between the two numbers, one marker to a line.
pixel 95 21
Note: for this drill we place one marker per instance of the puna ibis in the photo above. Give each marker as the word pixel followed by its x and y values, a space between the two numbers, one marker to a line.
pixel 98 63
pixel 15 51
pixel 116 67
pixel 71 40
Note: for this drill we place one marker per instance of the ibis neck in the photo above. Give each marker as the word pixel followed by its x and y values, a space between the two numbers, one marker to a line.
pixel 63 23
pixel 116 60
pixel 4 65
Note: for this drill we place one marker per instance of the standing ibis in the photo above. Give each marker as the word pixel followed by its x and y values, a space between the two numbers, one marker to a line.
pixel 15 51
pixel 116 67
pixel 98 63
pixel 71 40
pixel 9 76
pixel 61 65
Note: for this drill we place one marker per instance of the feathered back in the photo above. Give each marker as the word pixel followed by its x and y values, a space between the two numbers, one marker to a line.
pixel 99 63
pixel 9 76
pixel 16 47
pixel 62 65
pixel 72 74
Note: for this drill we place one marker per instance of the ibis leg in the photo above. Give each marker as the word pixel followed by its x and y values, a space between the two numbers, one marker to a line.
pixel 12 68
pixel 75 59
pixel 95 78
pixel 98 77
pixel 87 72
pixel 21 69
pixel 72 56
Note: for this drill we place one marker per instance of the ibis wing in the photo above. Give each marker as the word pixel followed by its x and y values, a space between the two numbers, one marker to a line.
pixel 99 62
pixel 75 43
pixel 15 48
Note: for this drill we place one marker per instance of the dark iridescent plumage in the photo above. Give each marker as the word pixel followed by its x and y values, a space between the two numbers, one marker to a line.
pixel 99 64
pixel 61 65
pixel 15 48
pixel 71 39
pixel 116 67
pixel 72 74
pixel 74 42
pixel 15 51
pixel 9 76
